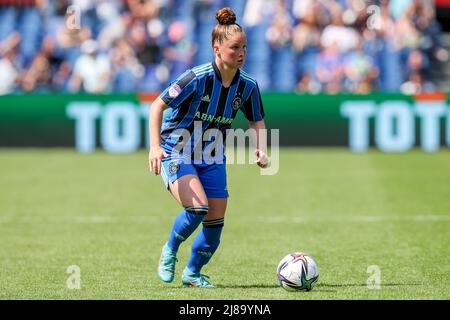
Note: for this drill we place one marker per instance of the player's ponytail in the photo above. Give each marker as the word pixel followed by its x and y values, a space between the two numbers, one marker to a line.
pixel 226 25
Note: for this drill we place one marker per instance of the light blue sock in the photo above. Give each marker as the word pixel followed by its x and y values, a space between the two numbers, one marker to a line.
pixel 185 224
pixel 205 244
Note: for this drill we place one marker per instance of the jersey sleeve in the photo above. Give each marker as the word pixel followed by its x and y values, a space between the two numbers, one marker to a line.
pixel 180 89
pixel 253 107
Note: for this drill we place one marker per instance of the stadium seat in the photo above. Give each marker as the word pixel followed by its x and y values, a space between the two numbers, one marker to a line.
pixel 29 26
pixel 8 18
pixel 283 69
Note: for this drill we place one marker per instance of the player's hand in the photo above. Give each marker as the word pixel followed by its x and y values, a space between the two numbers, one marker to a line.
pixel 155 159
pixel 261 159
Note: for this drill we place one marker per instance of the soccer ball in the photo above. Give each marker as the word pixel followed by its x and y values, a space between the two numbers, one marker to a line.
pixel 297 272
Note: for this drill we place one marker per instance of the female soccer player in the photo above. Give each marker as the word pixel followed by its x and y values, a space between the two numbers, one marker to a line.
pixel 203 98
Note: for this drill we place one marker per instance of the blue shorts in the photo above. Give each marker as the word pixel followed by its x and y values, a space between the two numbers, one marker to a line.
pixel 212 176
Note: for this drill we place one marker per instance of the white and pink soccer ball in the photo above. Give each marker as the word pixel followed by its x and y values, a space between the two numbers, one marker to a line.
pixel 297 272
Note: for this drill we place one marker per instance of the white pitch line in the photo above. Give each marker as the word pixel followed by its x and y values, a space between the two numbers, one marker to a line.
pixel 79 219
pixel 262 219
pixel 361 218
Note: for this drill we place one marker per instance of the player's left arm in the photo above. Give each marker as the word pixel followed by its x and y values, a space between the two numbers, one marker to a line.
pixel 261 142
pixel 254 112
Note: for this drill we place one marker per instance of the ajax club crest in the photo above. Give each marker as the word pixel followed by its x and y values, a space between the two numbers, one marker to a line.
pixel 237 102
pixel 174 167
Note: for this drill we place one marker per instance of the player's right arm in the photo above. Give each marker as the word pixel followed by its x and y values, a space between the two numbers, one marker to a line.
pixel 156 152
pixel 173 97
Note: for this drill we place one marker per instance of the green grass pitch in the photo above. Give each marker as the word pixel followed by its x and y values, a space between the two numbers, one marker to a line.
pixel 109 216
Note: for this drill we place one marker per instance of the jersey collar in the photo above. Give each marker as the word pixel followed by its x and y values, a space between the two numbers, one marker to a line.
pixel 216 70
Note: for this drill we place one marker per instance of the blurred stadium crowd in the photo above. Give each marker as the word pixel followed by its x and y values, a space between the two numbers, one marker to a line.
pixel 102 46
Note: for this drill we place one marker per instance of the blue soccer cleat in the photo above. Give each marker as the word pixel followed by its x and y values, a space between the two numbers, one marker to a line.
pixel 195 279
pixel 166 265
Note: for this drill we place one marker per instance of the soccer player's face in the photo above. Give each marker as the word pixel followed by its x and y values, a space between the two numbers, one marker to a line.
pixel 234 49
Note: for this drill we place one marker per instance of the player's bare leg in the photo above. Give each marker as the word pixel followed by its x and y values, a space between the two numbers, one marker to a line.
pixel 188 191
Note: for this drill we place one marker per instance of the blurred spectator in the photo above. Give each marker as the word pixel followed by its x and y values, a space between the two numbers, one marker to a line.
pixel 149 54
pixel 407 36
pixel 147 50
pixel 416 63
pixel 125 67
pixel 39 75
pixel 143 9
pixel 329 69
pixel 115 24
pixel 8 73
pixel 69 36
pixel 91 72
pixel 308 84
pixel 307 32
pixel 61 79
pixel 255 11
pixel 422 15
pixel 180 52
pixel 416 84
pixel 313 46
pixel 359 72
pixel 336 33
pixel 279 32
pixel 9 70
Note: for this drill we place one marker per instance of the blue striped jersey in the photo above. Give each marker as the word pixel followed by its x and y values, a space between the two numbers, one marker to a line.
pixel 198 95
